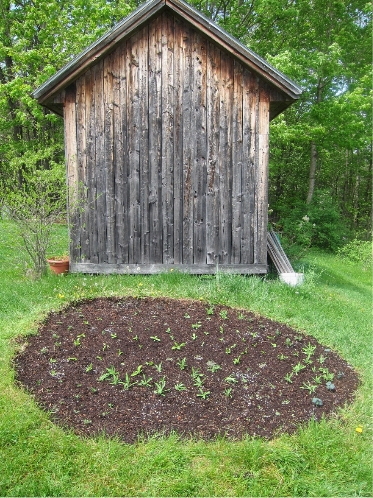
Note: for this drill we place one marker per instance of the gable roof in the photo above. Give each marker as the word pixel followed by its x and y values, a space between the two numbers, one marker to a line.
pixel 71 71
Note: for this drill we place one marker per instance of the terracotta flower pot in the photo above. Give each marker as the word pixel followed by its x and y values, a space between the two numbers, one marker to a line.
pixel 59 264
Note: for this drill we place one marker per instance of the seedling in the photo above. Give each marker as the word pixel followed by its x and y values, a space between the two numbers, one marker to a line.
pixel 72 358
pixel 186 315
pixel 137 371
pixel 309 351
pixel 203 394
pixel 155 338
pixel 212 366
pixel 136 338
pixel 241 316
pixel 158 367
pixel 160 387
pixel 282 357
pixel 194 336
pixel 223 314
pixel 178 346
pixel 198 382
pixel 105 346
pixel 210 310
pixel 113 335
pixel 146 382
pixel 330 386
pixel 288 342
pixel 309 387
pixel 231 380
pixel 120 352
pixel 228 350
pixel 322 359
pixel 228 392
pixel 317 401
pixel 127 383
pixel 317 379
pixel 196 373
pixel 168 331
pixel 180 387
pixel 196 325
pixel 288 377
pixel 237 360
pixel 298 368
pixel 182 364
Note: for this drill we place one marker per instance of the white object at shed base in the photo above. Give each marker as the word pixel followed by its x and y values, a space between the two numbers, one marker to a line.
pixel 292 279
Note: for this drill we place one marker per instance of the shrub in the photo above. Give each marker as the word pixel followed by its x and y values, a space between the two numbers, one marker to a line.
pixel 357 251
pixel 35 207
pixel 318 224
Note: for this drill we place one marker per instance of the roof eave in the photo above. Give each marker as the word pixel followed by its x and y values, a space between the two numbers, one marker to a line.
pixel 110 40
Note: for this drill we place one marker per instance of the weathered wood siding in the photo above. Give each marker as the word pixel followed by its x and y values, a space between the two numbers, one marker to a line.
pixel 167 156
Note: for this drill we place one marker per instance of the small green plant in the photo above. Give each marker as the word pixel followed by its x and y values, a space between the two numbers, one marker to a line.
pixel 309 387
pixel 309 351
pixel 231 380
pixel 160 387
pixel 210 310
pixel 198 382
pixel 298 368
pixel 203 394
pixel 145 381
pixel 282 357
pixel 196 373
pixel 223 314
pixel 155 338
pixel 321 359
pixel 228 350
pixel 137 371
pixel 212 366
pixel 180 387
pixel 194 336
pixel 288 377
pixel 228 392
pixel 196 325
pixel 182 364
pixel 186 315
pixel 127 383
pixel 158 367
pixel 113 335
pixel 178 346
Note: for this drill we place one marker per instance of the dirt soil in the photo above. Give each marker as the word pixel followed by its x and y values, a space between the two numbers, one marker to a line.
pixel 131 367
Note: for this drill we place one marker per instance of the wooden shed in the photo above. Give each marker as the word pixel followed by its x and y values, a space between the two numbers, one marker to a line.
pixel 166 134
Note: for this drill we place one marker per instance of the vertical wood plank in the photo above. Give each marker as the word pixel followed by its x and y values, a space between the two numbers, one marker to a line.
pixel 108 77
pixel 144 146
pixel 262 178
pixel 100 164
pixel 134 132
pixel 250 96
pixel 72 171
pixel 155 140
pixel 178 140
pixel 237 193
pixel 225 191
pixel 167 138
pixel 119 92
pixel 90 83
pixel 82 167
pixel 213 171
pixel 188 147
pixel 199 167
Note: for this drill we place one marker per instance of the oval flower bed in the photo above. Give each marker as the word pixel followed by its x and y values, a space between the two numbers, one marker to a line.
pixel 129 367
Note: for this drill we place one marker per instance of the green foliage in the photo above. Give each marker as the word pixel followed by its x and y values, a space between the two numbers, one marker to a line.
pixel 357 251
pixel 318 224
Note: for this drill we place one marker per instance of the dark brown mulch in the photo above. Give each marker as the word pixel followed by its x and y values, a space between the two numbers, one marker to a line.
pixel 63 364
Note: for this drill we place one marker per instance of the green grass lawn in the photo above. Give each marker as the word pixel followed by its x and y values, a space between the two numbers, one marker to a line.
pixel 329 458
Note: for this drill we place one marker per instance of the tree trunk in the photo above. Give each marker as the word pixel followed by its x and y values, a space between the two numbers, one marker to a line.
pixel 312 175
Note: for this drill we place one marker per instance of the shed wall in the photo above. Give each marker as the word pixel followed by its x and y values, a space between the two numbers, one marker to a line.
pixel 167 156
